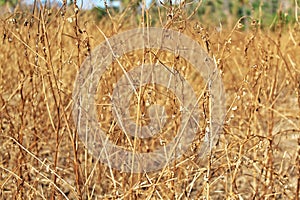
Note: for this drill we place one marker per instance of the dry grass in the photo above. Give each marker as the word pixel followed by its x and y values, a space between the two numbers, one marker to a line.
pixel 41 157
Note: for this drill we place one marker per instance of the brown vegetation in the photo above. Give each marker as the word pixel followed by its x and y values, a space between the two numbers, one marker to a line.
pixel 41 157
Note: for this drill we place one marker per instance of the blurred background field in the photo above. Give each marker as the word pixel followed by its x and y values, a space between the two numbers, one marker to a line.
pixel 256 46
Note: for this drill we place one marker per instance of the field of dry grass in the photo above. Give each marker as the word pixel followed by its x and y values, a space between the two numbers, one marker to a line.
pixel 257 155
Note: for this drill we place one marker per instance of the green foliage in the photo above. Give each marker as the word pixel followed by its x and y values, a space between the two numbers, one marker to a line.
pixel 270 13
pixel 267 13
pixel 133 6
pixel 227 12
pixel 99 12
pixel 102 12
pixel 12 3
pixel 213 9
